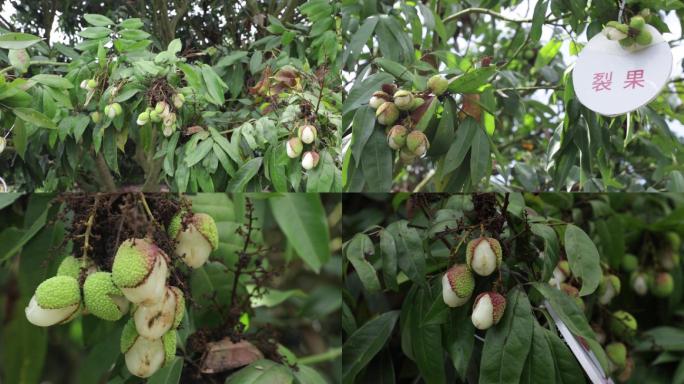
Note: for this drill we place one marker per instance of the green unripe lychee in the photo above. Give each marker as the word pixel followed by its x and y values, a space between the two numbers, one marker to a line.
pixel 458 284
pixel 630 262
pixel 662 284
pixel 483 255
pixel 140 270
pixel 56 300
pixel 403 99
pixel 396 137
pixel 160 107
pixel 154 117
pixel 91 84
pixel 438 84
pixel 196 237
pixel 417 143
pixel 70 266
pixel 617 353
pixel 178 100
pixel 95 116
pixel 102 298
pixel 378 98
pixel 627 42
pixel 406 156
pixel 387 113
pixel 117 109
pixel 637 22
pixel 417 102
pixel 644 38
pixel 673 240
pixel 623 324
pixel 143 118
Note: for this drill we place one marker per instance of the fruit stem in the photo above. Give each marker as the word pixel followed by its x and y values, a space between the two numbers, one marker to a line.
pixel 328 355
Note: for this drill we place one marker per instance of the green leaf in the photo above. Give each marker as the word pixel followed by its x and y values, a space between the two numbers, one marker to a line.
pixel 471 81
pixel 461 145
pixel 424 339
pixel 19 242
pixel 302 219
pixel 16 40
pixel 459 338
pixel 365 343
pixel 28 346
pixel 362 91
pixel 262 371
pixel 95 32
pixel 243 175
pixel 480 157
pixel 53 81
pixel 308 375
pixel 199 153
pixel 410 253
pixel 215 85
pixel 362 128
pixel 538 20
pixel 508 343
pixel 539 367
pixel 376 163
pixel 8 198
pixel 583 258
pixel 98 20
pixel 168 374
pixel 359 249
pixel 567 369
pixel 388 251
pixel 662 338
pixel 34 117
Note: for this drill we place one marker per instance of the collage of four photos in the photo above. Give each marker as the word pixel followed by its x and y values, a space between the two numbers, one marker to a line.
pixel 341 191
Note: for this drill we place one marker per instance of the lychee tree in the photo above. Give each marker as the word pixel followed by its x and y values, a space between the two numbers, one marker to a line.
pixel 494 106
pixel 458 288
pixel 175 289
pixel 120 110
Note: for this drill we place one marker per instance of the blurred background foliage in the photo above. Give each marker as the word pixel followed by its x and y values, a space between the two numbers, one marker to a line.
pixel 301 233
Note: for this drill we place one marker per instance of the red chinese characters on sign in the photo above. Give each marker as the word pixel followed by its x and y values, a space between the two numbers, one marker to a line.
pixel 635 78
pixel 603 80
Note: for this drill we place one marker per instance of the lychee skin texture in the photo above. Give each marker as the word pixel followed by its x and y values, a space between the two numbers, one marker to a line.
pixel 140 271
pixel 488 309
pixel 483 255
pixel 662 285
pixel 102 298
pixel 438 84
pixel 70 266
pixel 458 284
pixel 617 353
pixel 56 300
pixel 197 240
pixel 153 321
pixel 623 324
pixel 145 356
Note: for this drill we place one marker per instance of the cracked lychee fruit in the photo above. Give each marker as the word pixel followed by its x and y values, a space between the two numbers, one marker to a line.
pixel 294 147
pixel 378 98
pixel 140 270
pixel 56 300
pixel 639 281
pixel 102 298
pixel 488 309
pixel 609 287
pixel 662 284
pixel 310 160
pixel 154 320
pixel 307 133
pixel 617 353
pixel 387 113
pixel 196 240
pixel 403 99
pixel 145 356
pixel 483 255
pixel 396 137
pixel 438 84
pixel 458 284
pixel 623 324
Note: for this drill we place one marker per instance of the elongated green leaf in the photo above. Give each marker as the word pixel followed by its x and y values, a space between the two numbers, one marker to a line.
pixel 262 371
pixel 169 374
pixel 480 157
pixel 539 367
pixel 16 40
pixel 567 369
pixel 363 90
pixel 470 82
pixel 410 253
pixel 388 250
pixel 95 32
pixel 583 258
pixel 362 128
pixel 461 145
pixel 301 217
pixel 243 175
pixel 98 20
pixel 538 20
pixel 508 344
pixel 34 117
pixel 357 251
pixel 54 81
pixel 376 163
pixel 365 343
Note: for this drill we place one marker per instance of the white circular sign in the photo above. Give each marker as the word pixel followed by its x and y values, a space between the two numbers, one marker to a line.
pixel 611 80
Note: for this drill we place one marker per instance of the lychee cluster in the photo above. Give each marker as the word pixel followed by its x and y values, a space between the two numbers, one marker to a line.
pixel 392 104
pixel 306 134
pixel 654 275
pixel 138 280
pixel 483 257
pixel 162 113
pixel 633 36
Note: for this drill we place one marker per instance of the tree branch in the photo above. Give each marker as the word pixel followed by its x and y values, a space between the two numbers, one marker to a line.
pixel 493 14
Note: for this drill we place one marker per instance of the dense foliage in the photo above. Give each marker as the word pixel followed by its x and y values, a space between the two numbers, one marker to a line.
pixel 231 108
pixel 273 282
pixel 510 118
pixel 397 327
